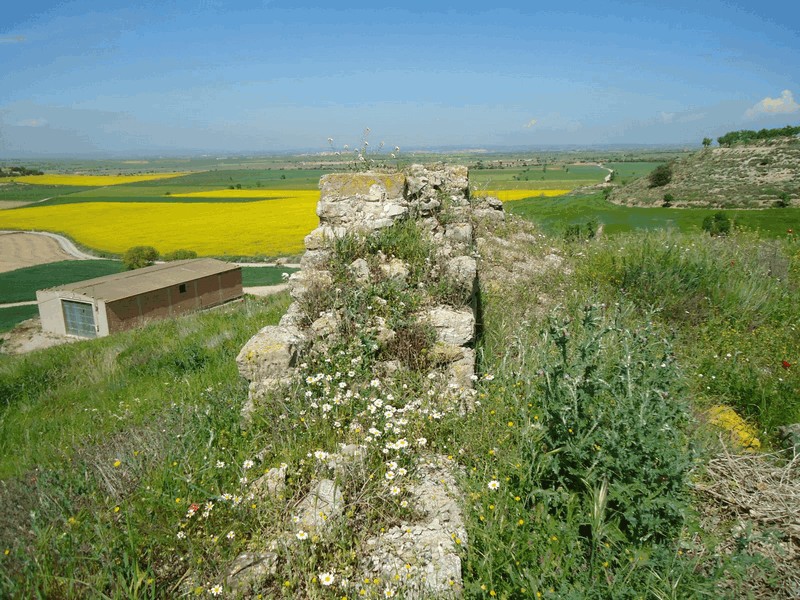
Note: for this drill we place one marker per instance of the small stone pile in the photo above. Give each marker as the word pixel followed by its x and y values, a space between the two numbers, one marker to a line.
pixel 421 556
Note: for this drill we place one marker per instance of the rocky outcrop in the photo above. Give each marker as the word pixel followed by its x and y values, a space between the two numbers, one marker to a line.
pixel 421 554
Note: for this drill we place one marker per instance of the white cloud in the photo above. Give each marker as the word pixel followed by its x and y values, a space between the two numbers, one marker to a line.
pixel 12 39
pixel 783 105
pixel 32 123
pixel 530 124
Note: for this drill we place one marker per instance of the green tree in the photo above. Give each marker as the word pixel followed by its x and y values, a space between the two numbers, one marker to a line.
pixel 139 256
pixel 706 142
pixel 717 224
pixel 661 176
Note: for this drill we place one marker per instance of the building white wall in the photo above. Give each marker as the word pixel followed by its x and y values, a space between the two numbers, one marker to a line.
pixel 52 314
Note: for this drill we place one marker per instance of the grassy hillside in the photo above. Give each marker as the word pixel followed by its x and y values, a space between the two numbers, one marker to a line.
pixel 742 176
pixel 106 444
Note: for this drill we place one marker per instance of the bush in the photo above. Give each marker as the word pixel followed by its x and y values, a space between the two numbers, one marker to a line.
pixel 181 254
pixel 668 200
pixel 717 224
pixel 661 176
pixel 783 200
pixel 579 233
pixel 139 256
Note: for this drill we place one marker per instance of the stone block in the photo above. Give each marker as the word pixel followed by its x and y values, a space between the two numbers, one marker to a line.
pixel 371 187
pixel 271 352
pixel 453 325
pixel 323 503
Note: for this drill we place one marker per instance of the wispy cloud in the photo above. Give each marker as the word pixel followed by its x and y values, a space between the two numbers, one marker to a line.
pixel 530 124
pixel 683 117
pixel 32 123
pixel 12 39
pixel 783 105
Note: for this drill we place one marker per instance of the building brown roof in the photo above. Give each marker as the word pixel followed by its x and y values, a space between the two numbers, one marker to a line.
pixel 140 281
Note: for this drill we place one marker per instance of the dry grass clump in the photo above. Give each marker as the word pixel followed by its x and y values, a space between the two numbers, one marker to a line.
pixel 752 502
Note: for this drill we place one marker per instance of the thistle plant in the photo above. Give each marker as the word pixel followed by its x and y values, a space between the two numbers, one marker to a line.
pixel 363 158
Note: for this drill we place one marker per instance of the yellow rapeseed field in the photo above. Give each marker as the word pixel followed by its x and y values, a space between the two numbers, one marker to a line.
pixel 272 227
pixel 91 180
pixel 265 194
pixel 510 195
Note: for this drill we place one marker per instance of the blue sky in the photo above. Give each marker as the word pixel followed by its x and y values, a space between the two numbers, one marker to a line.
pixel 82 77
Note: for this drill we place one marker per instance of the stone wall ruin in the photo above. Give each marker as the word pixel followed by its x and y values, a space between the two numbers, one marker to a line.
pixel 420 555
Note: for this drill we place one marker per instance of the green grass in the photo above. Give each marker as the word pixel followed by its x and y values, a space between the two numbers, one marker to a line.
pixel 12 316
pixel 555 214
pixel 53 398
pixel 733 303
pixel 33 193
pixel 21 285
pixel 628 171
pixel 555 177
pixel 258 276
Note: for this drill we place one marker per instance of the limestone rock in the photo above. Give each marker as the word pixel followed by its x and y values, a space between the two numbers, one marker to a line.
pixel 300 282
pixel 326 325
pixel 323 503
pixel 389 367
pixel 323 236
pixel 315 259
pixel 293 316
pixel 270 352
pixel 463 272
pixel 348 459
pixel 359 269
pixel 272 483
pixel 260 389
pixel 442 353
pixel 251 568
pixel 370 187
pixel 460 371
pixel 423 557
pixel 459 233
pixel 489 216
pixel 383 334
pixel 453 325
pixel 395 269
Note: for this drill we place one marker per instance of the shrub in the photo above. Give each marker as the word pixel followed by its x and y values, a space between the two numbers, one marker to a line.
pixel 668 200
pixel 717 224
pixel 139 256
pixel 181 254
pixel 579 233
pixel 661 176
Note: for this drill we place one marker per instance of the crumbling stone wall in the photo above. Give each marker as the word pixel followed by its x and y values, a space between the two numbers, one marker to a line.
pixel 421 555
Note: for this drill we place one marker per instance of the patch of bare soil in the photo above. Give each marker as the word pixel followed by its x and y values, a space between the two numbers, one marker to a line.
pixel 19 250
pixel 13 204
pixel 28 336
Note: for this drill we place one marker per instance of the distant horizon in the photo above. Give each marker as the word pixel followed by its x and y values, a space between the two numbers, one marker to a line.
pixel 322 154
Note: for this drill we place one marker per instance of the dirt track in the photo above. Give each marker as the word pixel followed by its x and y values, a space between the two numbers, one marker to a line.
pixel 18 250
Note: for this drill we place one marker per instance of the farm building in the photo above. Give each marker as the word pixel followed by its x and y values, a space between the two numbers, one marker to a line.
pixel 97 307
